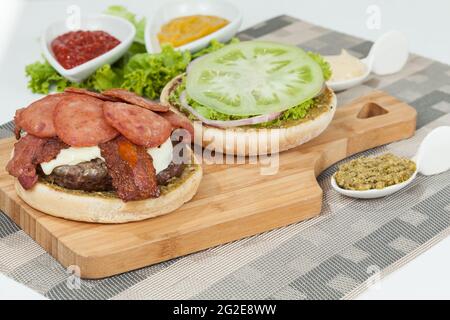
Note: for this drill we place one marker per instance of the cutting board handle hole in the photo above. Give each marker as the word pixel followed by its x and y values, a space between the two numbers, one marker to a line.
pixel 370 110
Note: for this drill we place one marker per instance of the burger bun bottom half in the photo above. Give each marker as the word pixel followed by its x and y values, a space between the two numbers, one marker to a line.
pixel 83 206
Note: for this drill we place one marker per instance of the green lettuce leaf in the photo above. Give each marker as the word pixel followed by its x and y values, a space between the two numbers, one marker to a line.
pixel 120 11
pixel 105 77
pixel 324 65
pixel 43 77
pixel 295 113
pixel 147 74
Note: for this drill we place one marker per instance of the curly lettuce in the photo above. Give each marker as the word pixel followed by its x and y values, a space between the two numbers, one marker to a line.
pixel 43 77
pixel 120 11
pixel 295 113
pixel 147 74
pixel 292 114
pixel 324 65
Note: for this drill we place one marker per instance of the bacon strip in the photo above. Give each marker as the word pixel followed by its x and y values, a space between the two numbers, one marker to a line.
pixel 131 169
pixel 50 150
pixel 17 119
pixel 30 151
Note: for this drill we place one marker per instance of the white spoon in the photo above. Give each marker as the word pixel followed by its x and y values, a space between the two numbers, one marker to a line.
pixel 433 157
pixel 388 55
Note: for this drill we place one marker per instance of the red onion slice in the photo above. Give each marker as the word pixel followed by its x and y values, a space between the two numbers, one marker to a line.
pixel 229 123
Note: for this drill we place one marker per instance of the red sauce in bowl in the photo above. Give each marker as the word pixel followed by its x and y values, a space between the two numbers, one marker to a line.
pixel 77 47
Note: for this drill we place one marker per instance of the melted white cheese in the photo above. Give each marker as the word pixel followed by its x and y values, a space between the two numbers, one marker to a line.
pixel 162 157
pixel 71 156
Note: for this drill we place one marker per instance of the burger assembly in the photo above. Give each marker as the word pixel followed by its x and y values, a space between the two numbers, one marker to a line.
pixel 250 92
pixel 108 157
pixel 101 157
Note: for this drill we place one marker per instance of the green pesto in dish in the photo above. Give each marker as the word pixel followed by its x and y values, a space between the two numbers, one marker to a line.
pixel 368 173
pixel 173 183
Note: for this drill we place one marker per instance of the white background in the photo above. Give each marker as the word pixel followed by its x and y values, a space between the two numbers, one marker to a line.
pixel 425 22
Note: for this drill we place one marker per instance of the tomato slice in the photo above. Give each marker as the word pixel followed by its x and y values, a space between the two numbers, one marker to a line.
pixel 254 78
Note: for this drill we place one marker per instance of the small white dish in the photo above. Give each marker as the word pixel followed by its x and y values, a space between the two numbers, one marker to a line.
pixel 175 9
pixel 388 55
pixel 373 193
pixel 433 157
pixel 120 28
pixel 350 83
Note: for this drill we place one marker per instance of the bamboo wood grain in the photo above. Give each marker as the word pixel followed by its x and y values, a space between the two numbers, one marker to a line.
pixel 233 201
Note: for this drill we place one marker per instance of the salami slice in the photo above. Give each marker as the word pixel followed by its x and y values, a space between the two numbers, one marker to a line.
pixel 133 98
pixel 140 126
pixel 79 122
pixel 179 121
pixel 90 93
pixel 37 118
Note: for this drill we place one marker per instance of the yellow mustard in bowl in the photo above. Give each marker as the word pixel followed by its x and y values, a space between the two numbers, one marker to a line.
pixel 183 30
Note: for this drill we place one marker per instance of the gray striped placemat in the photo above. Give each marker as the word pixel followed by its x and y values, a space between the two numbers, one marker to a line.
pixel 337 255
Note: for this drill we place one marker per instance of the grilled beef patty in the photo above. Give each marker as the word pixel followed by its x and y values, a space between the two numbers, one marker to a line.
pixel 93 176
pixel 88 176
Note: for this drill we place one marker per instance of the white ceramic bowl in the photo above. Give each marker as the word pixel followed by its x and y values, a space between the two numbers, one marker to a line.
pixel 350 83
pixel 120 28
pixel 181 8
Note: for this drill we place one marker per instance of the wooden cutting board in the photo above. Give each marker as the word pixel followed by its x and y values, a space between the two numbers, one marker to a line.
pixel 233 201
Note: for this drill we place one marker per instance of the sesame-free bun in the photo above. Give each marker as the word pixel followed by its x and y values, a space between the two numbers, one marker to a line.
pixel 101 208
pixel 241 140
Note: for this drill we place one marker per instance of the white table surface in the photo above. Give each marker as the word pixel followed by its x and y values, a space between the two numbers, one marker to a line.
pixel 425 23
